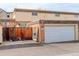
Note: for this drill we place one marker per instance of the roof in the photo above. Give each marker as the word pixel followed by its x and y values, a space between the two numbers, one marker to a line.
pixel 43 11
pixel 2 10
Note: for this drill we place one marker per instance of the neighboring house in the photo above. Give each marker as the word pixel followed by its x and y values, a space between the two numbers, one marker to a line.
pixel 5 17
pixel 3 14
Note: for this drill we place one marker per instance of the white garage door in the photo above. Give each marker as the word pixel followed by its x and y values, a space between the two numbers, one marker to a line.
pixel 59 33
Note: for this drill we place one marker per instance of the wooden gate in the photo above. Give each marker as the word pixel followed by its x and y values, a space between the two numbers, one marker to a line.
pixel 17 33
pixel 5 34
pixel 26 33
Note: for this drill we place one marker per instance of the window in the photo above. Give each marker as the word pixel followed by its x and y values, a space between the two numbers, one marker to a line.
pixel 57 14
pixel 8 16
pixel 77 16
pixel 34 13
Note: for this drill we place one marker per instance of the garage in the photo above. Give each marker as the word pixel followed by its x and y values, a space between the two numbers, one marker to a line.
pixel 60 33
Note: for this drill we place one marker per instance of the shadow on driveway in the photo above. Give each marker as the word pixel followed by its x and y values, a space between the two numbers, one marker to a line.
pixel 63 42
pixel 4 47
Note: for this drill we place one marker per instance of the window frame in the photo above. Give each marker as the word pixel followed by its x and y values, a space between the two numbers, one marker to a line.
pixel 34 13
pixel 57 14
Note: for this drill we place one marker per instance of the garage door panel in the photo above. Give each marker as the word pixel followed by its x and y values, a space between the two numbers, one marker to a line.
pixel 59 33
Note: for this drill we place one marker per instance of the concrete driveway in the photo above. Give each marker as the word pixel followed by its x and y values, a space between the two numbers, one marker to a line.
pixel 55 49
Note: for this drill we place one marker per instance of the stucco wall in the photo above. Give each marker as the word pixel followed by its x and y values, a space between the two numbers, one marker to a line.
pixel 35 29
pixel 11 15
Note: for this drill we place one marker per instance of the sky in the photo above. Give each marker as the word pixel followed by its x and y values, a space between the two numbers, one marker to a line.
pixel 71 7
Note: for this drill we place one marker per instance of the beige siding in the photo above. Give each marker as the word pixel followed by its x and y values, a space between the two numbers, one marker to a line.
pixel 50 16
pixel 24 16
pixel 35 29
pixel 27 16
